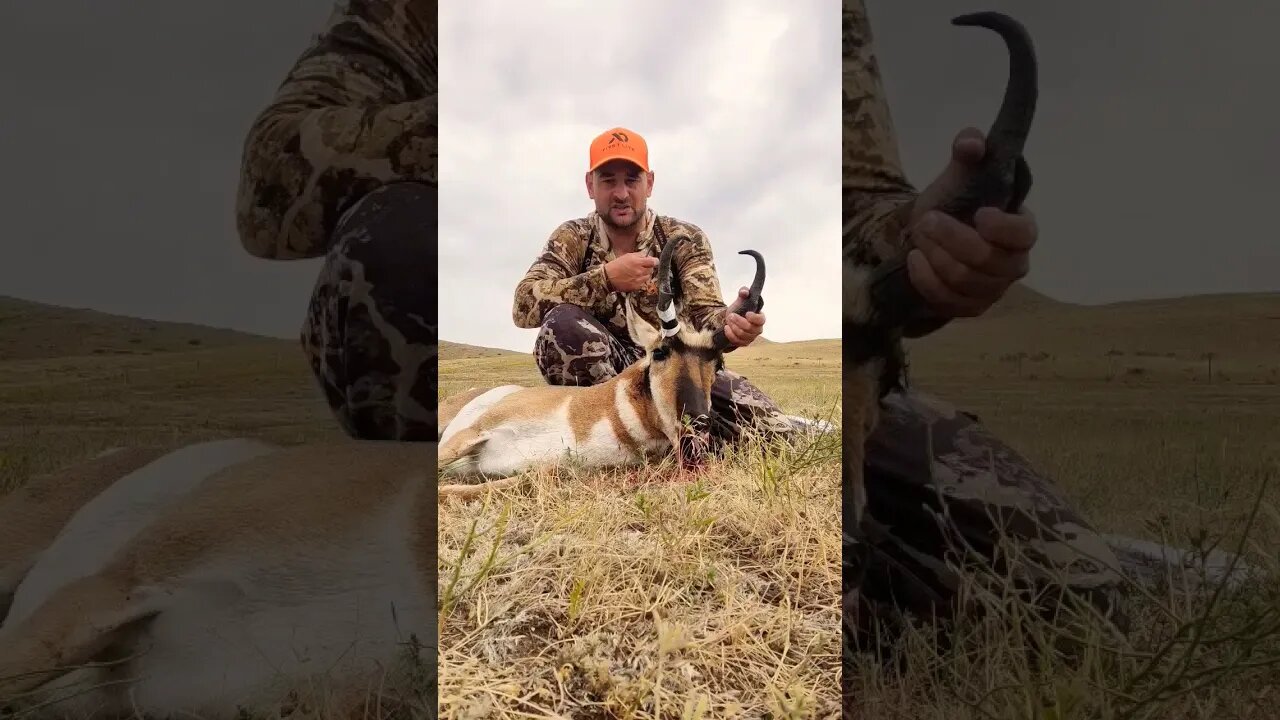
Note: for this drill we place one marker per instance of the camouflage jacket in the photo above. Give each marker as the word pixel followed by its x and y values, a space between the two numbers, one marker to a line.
pixel 570 269
pixel 356 111
pixel 877 197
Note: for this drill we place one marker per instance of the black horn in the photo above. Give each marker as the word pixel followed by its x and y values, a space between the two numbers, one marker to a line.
pixel 753 302
pixel 1002 179
pixel 998 182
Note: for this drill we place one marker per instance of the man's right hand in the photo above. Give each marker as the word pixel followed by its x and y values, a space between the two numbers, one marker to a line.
pixel 630 272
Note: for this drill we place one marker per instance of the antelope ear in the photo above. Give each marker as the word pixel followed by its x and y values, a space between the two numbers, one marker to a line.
pixel 641 330
pixel 645 334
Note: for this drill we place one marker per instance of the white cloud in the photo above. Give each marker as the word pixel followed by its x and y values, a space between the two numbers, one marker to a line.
pixel 739 102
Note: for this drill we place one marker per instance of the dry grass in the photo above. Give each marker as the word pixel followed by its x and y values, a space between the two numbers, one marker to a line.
pixel 649 594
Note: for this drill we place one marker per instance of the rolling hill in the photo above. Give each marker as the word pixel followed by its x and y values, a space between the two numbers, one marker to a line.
pixel 1026 321
pixel 462 351
pixel 32 331
pixel 1238 325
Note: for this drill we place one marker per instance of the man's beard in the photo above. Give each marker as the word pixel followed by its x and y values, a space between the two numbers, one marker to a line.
pixel 635 221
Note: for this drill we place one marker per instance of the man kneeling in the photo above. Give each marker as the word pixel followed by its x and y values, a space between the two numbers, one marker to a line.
pixel 595 277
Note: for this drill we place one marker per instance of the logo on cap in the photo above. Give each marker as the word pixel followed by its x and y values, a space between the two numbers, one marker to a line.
pixel 619 144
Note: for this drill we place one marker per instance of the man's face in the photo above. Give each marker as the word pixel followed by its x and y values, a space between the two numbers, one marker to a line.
pixel 621 191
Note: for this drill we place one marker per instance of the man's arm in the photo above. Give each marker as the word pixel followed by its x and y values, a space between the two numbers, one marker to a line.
pixel 356 111
pixel 553 279
pixel 701 301
pixel 878 198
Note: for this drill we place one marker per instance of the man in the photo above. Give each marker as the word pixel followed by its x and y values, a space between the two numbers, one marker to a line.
pixel 592 295
pixel 923 449
pixel 341 164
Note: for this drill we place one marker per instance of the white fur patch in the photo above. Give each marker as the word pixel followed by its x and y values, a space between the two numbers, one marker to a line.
pixel 472 411
pixel 668 419
pixel 630 418
pixel 602 446
pixel 520 444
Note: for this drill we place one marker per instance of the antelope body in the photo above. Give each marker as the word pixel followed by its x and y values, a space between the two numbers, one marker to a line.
pixel 659 403
pixel 221 576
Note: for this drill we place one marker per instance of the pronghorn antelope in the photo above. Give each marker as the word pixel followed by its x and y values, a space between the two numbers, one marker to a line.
pixel 659 403
pixel 878 303
pixel 222 576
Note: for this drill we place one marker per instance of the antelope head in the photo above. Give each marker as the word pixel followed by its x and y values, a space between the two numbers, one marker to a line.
pixel 681 364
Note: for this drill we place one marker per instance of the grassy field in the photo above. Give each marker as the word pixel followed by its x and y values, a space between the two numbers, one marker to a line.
pixel 589 596
pixel 634 594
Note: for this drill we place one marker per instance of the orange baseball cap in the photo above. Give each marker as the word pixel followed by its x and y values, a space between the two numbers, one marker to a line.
pixel 619 144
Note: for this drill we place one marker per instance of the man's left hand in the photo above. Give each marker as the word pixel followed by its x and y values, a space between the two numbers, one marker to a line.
pixel 742 330
pixel 962 271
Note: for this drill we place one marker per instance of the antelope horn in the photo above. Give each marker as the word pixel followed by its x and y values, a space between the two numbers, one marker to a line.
pixel 753 302
pixel 666 308
pixel 1003 178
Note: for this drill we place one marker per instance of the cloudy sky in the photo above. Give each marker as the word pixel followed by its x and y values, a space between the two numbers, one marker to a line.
pixel 739 102
pixel 1154 148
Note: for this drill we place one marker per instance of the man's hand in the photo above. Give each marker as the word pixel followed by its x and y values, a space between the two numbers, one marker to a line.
pixel 743 330
pixel 961 271
pixel 630 272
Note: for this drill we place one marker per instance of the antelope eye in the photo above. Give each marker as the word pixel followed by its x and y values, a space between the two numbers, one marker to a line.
pixel 661 353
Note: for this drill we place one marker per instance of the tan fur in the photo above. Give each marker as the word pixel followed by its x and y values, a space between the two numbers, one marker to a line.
pixel 32 515
pixel 277 498
pixel 305 500
pixel 587 406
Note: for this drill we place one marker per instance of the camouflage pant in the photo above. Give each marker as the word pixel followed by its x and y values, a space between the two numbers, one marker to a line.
pixel 371 331
pixel 941 486
pixel 574 348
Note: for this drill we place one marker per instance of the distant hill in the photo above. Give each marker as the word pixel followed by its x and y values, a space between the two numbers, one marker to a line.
pixel 31 331
pixel 462 351
pixel 1025 321
pixel 1022 299
pixel 1240 325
